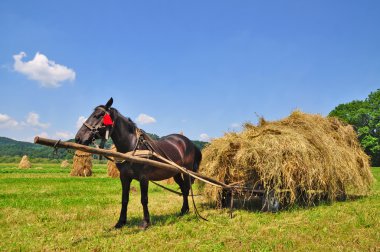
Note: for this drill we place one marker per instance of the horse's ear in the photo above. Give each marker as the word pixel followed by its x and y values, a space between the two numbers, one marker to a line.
pixel 109 103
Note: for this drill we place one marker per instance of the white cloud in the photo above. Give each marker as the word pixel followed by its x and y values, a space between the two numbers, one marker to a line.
pixel 80 121
pixel 204 137
pixel 43 70
pixel 33 119
pixel 145 119
pixel 7 122
pixel 44 135
pixel 64 135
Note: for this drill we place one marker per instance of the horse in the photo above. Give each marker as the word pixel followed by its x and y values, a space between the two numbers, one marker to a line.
pixel 107 121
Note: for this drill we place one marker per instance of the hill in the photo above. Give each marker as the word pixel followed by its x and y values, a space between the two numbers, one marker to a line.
pixel 11 148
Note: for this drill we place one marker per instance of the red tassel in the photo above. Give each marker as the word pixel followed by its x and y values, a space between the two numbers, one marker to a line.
pixel 107 120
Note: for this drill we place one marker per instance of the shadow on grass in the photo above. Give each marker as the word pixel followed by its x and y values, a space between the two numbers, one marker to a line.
pixel 133 223
pixel 301 205
pixel 133 226
pixel 254 204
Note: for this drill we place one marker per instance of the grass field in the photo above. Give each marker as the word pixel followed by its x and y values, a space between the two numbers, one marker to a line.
pixel 42 208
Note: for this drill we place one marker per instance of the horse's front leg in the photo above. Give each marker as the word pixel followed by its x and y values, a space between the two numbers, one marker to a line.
pixel 144 201
pixel 125 184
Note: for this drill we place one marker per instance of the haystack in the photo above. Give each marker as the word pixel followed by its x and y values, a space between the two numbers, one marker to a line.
pixel 25 163
pixel 302 158
pixel 170 181
pixel 65 164
pixel 112 170
pixel 82 164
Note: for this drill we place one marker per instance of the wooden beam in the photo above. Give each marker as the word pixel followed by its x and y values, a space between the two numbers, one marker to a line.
pixel 127 156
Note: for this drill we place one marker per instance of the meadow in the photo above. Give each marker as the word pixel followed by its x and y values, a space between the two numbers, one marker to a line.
pixel 43 208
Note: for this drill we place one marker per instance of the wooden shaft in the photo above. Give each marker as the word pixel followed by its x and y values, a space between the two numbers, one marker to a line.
pixel 109 153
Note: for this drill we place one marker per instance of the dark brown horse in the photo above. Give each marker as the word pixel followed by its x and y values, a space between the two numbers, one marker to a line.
pixel 125 136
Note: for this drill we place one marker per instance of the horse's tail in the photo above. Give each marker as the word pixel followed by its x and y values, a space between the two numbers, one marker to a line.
pixel 197 161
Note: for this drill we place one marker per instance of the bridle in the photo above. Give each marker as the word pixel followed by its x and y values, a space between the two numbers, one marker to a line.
pixel 142 139
pixel 102 124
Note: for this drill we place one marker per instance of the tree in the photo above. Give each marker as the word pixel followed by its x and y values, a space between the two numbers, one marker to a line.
pixel 365 117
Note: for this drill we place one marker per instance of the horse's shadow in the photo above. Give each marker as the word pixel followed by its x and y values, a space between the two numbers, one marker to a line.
pixel 133 223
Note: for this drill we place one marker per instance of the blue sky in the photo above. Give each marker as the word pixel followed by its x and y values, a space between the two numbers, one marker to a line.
pixel 201 67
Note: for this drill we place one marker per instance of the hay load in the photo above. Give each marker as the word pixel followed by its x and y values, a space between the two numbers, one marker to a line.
pixel 24 163
pixel 82 164
pixel 301 158
pixel 112 170
pixel 65 164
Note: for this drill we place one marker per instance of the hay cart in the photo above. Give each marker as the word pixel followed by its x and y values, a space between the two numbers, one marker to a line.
pixel 269 201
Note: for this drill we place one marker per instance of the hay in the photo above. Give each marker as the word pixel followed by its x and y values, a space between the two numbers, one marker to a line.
pixel 170 181
pixel 112 170
pixel 302 157
pixel 25 163
pixel 82 164
pixel 65 164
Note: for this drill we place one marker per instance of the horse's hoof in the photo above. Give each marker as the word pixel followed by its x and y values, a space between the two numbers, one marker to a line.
pixel 144 225
pixel 120 224
pixel 183 212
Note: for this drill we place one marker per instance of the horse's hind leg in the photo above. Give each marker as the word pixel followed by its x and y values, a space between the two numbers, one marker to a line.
pixel 125 184
pixel 144 201
pixel 184 185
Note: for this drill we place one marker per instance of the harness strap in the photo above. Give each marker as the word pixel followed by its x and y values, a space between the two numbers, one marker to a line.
pixel 166 188
pixel 192 197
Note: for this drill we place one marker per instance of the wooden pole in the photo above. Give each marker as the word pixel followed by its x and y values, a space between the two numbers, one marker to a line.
pixel 108 153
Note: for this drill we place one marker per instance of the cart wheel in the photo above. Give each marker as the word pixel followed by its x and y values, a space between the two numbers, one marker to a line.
pixel 269 202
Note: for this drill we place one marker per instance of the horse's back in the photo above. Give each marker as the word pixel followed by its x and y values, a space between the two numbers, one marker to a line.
pixel 176 148
pixel 180 149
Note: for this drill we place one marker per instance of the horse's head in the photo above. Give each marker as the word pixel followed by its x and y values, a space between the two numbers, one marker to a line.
pixel 97 125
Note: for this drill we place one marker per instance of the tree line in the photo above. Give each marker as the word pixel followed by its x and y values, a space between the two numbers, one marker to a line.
pixel 364 116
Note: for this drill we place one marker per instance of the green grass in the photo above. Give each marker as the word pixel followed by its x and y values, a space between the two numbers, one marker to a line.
pixel 44 209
